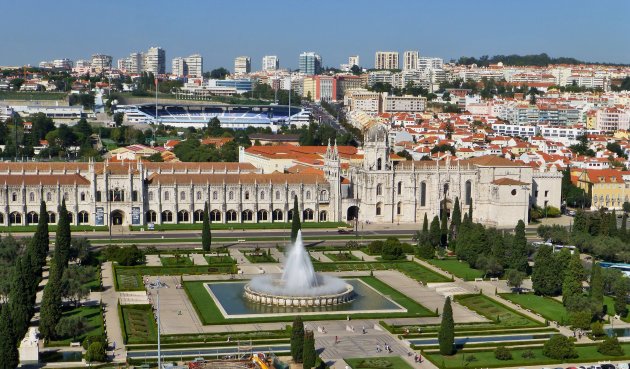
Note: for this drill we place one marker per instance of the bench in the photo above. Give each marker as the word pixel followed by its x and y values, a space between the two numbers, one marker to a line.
pixel 240 240
pixel 478 279
pixel 75 344
pixel 495 279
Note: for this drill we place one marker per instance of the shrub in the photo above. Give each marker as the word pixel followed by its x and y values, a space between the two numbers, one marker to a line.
pixel 96 352
pixel 597 329
pixel 426 251
pixel 91 339
pixel 581 319
pixel 376 247
pixel 559 347
pixel 502 353
pixel 529 354
pixel 610 346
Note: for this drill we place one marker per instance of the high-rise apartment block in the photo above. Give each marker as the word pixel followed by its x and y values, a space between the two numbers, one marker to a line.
pixel 430 63
pixel 101 62
pixel 191 66
pixel 178 67
pixel 62 64
pixel 353 60
pixel 386 60
pixel 155 61
pixel 410 60
pixel 310 63
pixel 242 65
pixel 136 63
pixel 270 63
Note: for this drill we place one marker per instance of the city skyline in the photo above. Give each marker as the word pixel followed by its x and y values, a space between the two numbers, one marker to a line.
pixel 460 29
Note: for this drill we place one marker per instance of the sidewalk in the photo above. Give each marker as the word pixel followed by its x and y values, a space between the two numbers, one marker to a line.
pixel 109 300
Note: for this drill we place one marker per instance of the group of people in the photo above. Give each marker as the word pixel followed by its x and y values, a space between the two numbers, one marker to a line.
pixel 386 348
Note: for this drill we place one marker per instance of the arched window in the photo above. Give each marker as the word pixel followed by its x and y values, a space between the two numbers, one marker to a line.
pixel 167 216
pixel 48 196
pixel 183 216
pixel 323 216
pixel 276 215
pixel 215 216
pixel 14 196
pixel 246 195
pixel 167 196
pixel 52 218
pixel 31 196
pixel 98 196
pixel 198 215
pixel 117 195
pixel 324 195
pixel 247 216
pixel 399 208
pixel 262 215
pixel 308 214
pixel 379 164
pixel 150 195
pixel 290 215
pixel 84 218
pixel 230 216
pixel 231 195
pixel 468 192
pixel 15 218
pixel 134 195
pixel 378 208
pixel 423 194
pixel 308 195
pixel 82 197
pixel 66 196
pixel 446 189
pixel 198 195
pixel 215 195
pixel 399 190
pixel 32 218
pixel 262 195
pixel 182 195
pixel 1 218
pixel 292 196
pixel 379 189
pixel 277 195
pixel 71 217
pixel 151 216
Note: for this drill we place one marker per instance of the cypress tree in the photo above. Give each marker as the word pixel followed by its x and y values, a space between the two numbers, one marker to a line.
pixel 604 225
pixel 41 241
pixel 456 220
pixel 446 335
pixel 573 276
pixel 295 222
pixel 309 350
pixel 206 236
pixel 622 232
pixel 425 225
pixel 50 310
pixel 517 258
pixel 620 288
pixel 597 288
pixel 9 357
pixel 580 222
pixel 612 224
pixel 297 340
pixel 20 305
pixel 63 237
pixel 470 211
pixel 545 279
pixel 444 230
pixel 435 232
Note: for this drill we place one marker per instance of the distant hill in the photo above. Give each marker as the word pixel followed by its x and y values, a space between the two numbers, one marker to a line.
pixel 540 60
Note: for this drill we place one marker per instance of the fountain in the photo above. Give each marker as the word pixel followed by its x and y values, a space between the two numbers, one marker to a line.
pixel 299 285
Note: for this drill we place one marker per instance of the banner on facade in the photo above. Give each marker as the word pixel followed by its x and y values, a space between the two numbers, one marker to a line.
pixel 100 217
pixel 135 216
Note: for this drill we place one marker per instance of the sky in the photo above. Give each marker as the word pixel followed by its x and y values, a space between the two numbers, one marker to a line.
pixel 335 29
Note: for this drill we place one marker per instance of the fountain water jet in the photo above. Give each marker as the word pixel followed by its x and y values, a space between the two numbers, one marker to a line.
pixel 299 285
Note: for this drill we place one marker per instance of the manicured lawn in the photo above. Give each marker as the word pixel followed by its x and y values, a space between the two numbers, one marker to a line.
pixel 221 259
pixel 458 268
pixel 342 256
pixel 409 268
pixel 495 311
pixel 610 308
pixel 176 261
pixel 209 313
pixel 130 278
pixel 240 226
pixel 259 257
pixel 94 324
pixel 27 95
pixel 486 359
pixel 138 324
pixel 394 362
pixel 549 308
pixel 51 228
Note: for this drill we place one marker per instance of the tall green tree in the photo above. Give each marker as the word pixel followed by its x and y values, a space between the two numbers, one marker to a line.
pixel 20 303
pixel 456 220
pixel 297 340
pixel 470 211
pixel 206 236
pixel 545 279
pixel 620 290
pixel 296 225
pixel 9 358
pixel 612 224
pixel 309 350
pixel 425 225
pixel 573 277
pixel 517 258
pixel 580 222
pixel 623 231
pixel 50 310
pixel 63 237
pixel 597 288
pixel 41 239
pixel 435 232
pixel 446 335
pixel 444 230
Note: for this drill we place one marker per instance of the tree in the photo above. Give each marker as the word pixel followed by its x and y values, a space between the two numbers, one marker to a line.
pixel 446 335
pixel 456 220
pixel 73 283
pixel 20 305
pixel 435 233
pixel 573 277
pixel 206 235
pixel 470 211
pixel 620 289
pixel 559 347
pixel 517 257
pixel 219 73
pixel 545 279
pixel 118 118
pixel 8 341
pixel 444 230
pixel 515 278
pixel 50 310
pixel 597 288
pixel 71 327
pixel 502 353
pixel 309 350
pixel 297 340
pixel 96 352
pixel 610 347
pixel 63 237
pixel 295 222
pixel 41 239
pixel 425 224
pixel 580 222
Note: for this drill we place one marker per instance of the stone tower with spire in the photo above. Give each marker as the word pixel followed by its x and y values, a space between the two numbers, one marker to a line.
pixel 332 173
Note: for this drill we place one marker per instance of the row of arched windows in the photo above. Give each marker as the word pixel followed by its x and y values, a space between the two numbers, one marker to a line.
pixel 49 196
pixel 166 195
pixel 232 216
pixel 32 217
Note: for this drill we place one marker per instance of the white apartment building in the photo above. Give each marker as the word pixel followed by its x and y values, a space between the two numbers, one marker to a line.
pixel 613 119
pixel 504 129
pixel 101 62
pixel 178 67
pixel 136 63
pixel 427 62
pixel 242 65
pixel 155 60
pixel 270 63
pixel 410 60
pixel 191 66
pixel 62 64
pixel 403 104
pixel 353 60
pixel 361 99
pixel 386 60
pixel 383 76
pixel 590 81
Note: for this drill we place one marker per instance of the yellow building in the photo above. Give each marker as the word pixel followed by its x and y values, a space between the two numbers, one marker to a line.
pixel 309 87
pixel 607 188
pixel 591 119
